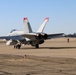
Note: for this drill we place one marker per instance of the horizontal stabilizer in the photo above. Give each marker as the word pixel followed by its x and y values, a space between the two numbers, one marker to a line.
pixel 58 35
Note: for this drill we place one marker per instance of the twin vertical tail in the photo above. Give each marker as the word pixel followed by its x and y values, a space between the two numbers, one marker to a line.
pixel 27 27
pixel 40 30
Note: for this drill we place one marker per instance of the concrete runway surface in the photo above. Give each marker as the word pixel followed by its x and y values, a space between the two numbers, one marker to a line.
pixel 54 57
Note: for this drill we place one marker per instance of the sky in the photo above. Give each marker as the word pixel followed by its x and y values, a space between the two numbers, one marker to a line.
pixel 61 14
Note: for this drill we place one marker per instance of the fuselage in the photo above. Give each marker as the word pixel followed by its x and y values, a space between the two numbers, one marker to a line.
pixel 37 38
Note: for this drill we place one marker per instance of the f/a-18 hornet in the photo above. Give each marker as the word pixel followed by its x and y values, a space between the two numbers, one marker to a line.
pixel 27 36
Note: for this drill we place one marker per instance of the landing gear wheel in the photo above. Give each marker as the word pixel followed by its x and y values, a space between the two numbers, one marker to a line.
pixel 37 45
pixel 14 46
pixel 17 46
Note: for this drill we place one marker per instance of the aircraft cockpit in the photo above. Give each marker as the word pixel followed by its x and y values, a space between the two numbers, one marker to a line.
pixel 13 30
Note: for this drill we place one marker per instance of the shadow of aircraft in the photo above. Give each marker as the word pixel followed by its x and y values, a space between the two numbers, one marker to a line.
pixel 62 48
pixel 49 48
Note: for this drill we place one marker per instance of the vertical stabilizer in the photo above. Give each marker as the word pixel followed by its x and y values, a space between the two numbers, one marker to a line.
pixel 27 27
pixel 40 30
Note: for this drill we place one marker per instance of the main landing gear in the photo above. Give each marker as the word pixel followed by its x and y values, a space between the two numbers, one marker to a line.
pixel 37 46
pixel 18 46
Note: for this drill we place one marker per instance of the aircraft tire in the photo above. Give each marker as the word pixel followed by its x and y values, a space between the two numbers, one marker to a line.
pixel 37 46
pixel 14 46
pixel 17 46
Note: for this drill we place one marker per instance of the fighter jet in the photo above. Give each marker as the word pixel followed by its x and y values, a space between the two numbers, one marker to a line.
pixel 27 36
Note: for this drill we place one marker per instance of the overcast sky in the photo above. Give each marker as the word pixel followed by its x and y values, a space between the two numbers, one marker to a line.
pixel 61 13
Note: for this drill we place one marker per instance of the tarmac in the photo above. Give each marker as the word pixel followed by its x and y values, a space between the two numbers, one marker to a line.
pixel 51 48
pixel 54 57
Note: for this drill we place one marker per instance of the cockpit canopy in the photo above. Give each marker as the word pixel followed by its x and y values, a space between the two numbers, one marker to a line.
pixel 13 30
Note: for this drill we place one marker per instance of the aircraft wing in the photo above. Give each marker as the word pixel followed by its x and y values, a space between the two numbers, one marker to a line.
pixel 58 35
pixel 49 36
pixel 12 37
pixel 30 36
pixel 19 37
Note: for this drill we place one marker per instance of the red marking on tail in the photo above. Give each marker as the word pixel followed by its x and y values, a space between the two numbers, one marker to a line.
pixel 46 18
pixel 25 18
